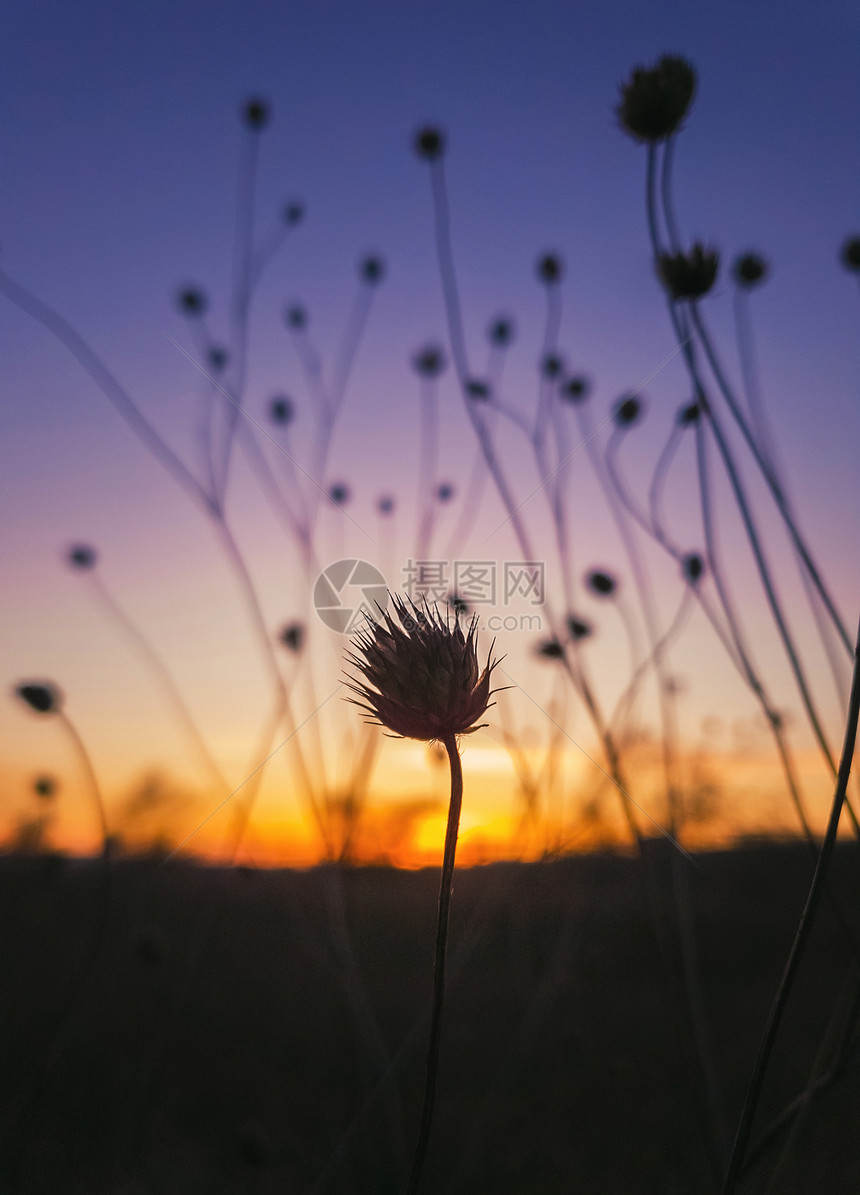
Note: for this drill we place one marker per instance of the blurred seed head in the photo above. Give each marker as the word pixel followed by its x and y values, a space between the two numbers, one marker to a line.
pixel 654 101
pixel 749 270
pixel 628 412
pixel 692 567
pixel 458 605
pixel 445 491
pixel 385 505
pixel 575 389
pixel 296 317
pixel 551 366
pixel 281 410
pixel 601 584
pixel 372 269
pixel 82 557
pixel 501 331
pixel 429 361
pixel 549 268
pixel 339 493
pixel 689 275
pixel 429 143
pixel 689 414
pixel 218 358
pixel 293 212
pixel 578 628
pixel 192 301
pixel 418 674
pixel 41 696
pixel 477 389
pixel 293 636
pixel 45 787
pixel 256 113
pixel 550 649
pixel 849 254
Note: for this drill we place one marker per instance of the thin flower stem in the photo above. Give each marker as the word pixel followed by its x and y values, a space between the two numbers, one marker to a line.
pixel 445 887
pixel 801 937
pixel 92 779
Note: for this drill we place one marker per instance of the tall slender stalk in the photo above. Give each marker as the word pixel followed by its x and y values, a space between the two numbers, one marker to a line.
pixel 445 887
pixel 804 929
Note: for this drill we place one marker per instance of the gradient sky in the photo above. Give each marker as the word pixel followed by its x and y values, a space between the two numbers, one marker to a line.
pixel 120 144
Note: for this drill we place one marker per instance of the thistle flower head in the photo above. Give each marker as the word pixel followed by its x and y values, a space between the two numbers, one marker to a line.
pixel 654 101
pixel 418 674
pixel 689 275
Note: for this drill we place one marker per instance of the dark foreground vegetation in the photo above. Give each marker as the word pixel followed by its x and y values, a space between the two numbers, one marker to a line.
pixel 174 1028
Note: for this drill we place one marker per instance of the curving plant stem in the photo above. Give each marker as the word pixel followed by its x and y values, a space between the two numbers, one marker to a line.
pixel 445 887
pixel 804 928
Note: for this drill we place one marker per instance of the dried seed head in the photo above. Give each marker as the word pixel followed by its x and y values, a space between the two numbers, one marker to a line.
pixel 627 412
pixel 41 696
pixel 689 275
pixel 192 301
pixel 339 493
pixel 550 649
pixel 750 269
pixel 293 212
pixel 385 505
pixel 479 390
pixel 293 636
pixel 371 269
pixel 45 787
pixel 296 317
pixel 429 143
pixel 692 567
pixel 600 583
pixel 551 366
pixel 578 628
pixel 82 557
pixel 429 361
pixel 256 113
pixel 575 389
pixel 689 414
pixel 445 491
pixel 849 254
pixel 654 101
pixel 218 357
pixel 549 268
pixel 281 410
pixel 418 674
pixel 501 331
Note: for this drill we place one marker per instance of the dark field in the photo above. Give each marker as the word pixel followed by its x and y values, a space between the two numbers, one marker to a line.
pixel 183 1029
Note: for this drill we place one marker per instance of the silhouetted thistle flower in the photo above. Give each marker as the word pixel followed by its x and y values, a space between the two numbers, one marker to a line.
pixel 372 269
pixel 849 254
pixel 429 362
pixel 293 636
pixel 551 366
pixel 82 557
pixel 41 696
pixel 689 275
pixel 600 583
pixel 575 389
pixel 192 301
pixel 45 787
pixel 429 143
pixel 689 414
pixel 445 491
pixel 627 412
pixel 578 628
pixel 296 317
pixel 501 331
pixel 749 270
pixel 419 675
pixel 256 113
pixel 281 410
pixel 692 566
pixel 654 101
pixel 293 212
pixel 339 493
pixel 218 358
pixel 385 505
pixel 550 649
pixel 549 269
pixel 477 389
